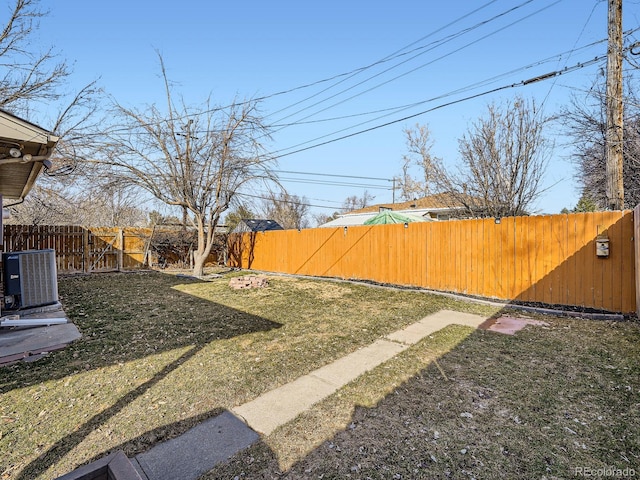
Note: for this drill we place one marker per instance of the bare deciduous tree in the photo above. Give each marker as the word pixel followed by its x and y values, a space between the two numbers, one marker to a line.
pixel 43 206
pixel 356 203
pixel 322 218
pixel 52 204
pixel 34 85
pixel 419 144
pixel 504 159
pixel 112 205
pixel 29 76
pixel 192 159
pixel 290 211
pixel 585 120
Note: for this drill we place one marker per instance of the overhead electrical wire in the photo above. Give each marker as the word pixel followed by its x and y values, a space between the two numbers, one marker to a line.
pixel 437 44
pixel 259 197
pixel 335 184
pixel 396 54
pixel 405 107
pixel 285 151
pixel 269 196
pixel 595 4
pixel 473 86
pixel 332 175
pixel 504 87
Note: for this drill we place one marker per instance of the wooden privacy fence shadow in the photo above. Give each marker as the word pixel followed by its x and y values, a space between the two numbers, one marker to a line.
pixel 547 259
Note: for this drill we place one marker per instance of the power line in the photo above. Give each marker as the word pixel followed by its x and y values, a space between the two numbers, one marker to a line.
pixel 437 44
pixel 354 72
pixel 487 92
pixel 334 184
pixel 488 81
pixel 595 4
pixel 285 201
pixel 395 55
pixel 332 175
pixel 282 152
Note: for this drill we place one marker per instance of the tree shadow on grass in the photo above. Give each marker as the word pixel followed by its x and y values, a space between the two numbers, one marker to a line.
pixel 68 443
pixel 533 405
pixel 123 318
pixel 129 316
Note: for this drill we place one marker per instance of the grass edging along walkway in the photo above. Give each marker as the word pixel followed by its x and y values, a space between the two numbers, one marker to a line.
pixel 160 353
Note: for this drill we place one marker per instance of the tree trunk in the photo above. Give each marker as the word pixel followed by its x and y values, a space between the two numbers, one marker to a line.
pixel 198 264
pixel 205 244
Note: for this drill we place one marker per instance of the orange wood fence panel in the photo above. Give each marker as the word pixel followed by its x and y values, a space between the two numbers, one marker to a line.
pixel 544 259
pixel 548 259
pixel 83 249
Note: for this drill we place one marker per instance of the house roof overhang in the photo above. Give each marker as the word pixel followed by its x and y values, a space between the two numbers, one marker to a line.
pixel 23 148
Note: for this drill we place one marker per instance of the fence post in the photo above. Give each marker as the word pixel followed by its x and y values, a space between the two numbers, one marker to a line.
pixel 120 249
pixel 636 251
pixel 85 249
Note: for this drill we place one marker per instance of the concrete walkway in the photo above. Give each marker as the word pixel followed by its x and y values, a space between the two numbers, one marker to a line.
pixel 279 406
pixel 214 441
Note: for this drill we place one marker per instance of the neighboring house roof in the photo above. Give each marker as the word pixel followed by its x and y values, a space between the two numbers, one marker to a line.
pixel 431 207
pixel 431 202
pixel 256 225
pixel 23 148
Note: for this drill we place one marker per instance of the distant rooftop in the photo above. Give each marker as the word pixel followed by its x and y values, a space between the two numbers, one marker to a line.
pixel 257 225
pixel 437 201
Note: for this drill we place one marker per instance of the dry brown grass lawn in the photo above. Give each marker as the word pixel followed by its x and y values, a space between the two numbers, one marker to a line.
pixel 548 403
pixel 161 353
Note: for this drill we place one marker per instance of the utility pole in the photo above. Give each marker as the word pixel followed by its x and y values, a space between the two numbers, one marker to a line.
pixel 614 133
pixel 393 189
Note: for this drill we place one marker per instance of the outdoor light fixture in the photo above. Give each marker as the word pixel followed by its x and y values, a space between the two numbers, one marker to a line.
pixel 406 225
pixel 498 220
pixel 15 152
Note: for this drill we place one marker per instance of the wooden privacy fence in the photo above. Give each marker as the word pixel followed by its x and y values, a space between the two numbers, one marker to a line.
pixel 540 259
pixel 81 249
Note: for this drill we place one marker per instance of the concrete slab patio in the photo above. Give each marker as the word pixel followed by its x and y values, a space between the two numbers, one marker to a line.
pixel 28 344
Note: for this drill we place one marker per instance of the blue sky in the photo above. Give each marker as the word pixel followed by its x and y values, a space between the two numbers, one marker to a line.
pixel 248 49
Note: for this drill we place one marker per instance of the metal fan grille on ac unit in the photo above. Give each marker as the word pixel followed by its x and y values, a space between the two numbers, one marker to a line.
pixel 38 278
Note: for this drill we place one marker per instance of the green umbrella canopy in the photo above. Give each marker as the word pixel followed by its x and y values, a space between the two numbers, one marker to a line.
pixel 389 216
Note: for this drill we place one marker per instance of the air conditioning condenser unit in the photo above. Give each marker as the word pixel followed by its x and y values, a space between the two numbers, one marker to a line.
pixel 30 279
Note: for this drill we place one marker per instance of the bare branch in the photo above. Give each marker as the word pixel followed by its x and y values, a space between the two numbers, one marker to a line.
pixel 29 76
pixel 194 158
pixel 504 159
pixel 585 124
